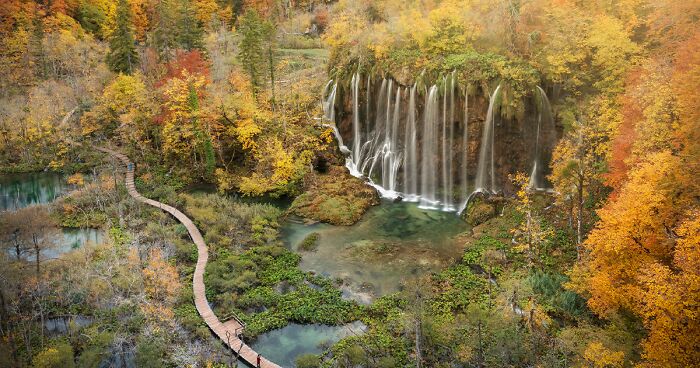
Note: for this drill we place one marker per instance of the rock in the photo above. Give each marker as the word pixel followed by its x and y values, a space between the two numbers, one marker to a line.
pixel 479 210
pixel 335 197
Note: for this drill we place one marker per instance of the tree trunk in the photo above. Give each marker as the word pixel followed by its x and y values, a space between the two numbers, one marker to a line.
pixel 37 250
pixel 419 357
pixel 579 220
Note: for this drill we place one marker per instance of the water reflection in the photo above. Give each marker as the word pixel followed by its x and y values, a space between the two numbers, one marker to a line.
pixel 26 189
pixel 284 345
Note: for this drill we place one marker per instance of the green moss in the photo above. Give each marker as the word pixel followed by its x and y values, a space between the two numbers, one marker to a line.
pixel 310 242
pixel 478 212
pixel 336 198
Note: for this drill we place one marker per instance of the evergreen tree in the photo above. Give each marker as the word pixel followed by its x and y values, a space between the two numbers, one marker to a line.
pixel 255 48
pixel 165 30
pixel 190 32
pixel 36 46
pixel 203 138
pixel 122 55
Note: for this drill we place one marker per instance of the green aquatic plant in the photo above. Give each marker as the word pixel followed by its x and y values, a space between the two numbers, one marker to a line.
pixel 310 242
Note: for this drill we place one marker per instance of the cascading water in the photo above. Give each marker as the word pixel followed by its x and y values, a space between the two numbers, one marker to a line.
pixel 419 151
pixel 485 172
pixel 328 102
pixel 410 172
pixel 428 151
pixel 447 142
pixel 544 116
pixel 355 85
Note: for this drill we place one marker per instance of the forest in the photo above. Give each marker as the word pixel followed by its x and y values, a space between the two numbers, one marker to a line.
pixel 378 183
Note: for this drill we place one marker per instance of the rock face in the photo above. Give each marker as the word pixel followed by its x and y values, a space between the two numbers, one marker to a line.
pixel 335 197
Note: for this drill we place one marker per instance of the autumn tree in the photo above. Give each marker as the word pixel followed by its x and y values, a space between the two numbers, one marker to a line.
pixel 125 108
pixel 577 168
pixel 36 45
pixel 162 285
pixel 188 129
pixel 122 56
pixel 532 233
pixel 29 231
pixel 58 356
pixel 206 11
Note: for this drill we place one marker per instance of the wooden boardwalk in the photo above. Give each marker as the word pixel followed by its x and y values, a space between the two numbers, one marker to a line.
pixel 228 331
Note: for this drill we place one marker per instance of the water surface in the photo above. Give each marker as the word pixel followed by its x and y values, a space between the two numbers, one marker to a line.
pixel 392 244
pixel 26 189
pixel 284 345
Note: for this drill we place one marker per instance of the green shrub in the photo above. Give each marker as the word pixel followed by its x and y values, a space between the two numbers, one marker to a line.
pixel 308 361
pixel 60 355
pixel 551 292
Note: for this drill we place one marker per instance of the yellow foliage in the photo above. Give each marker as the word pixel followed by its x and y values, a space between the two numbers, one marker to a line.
pixel 206 9
pixel 600 357
pixel 160 278
pixel 613 52
pixel 178 128
pixel 76 179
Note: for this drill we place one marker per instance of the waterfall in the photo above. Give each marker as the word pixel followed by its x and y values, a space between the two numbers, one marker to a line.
pixel 410 173
pixel 328 101
pixel 379 156
pixel 386 153
pixel 544 112
pixel 394 152
pixel 448 154
pixel 428 152
pixel 444 143
pixel 328 104
pixel 422 156
pixel 357 137
pixel 485 173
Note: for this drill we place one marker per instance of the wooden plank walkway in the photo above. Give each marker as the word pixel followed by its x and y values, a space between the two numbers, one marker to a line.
pixel 228 331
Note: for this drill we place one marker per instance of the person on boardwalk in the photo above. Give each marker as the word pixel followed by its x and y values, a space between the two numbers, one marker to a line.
pixel 258 360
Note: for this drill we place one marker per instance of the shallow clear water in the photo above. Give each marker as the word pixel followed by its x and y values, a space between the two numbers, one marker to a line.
pixel 390 245
pixel 284 345
pixel 26 189
pixel 72 238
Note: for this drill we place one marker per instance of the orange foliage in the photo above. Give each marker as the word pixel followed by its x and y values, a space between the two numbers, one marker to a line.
pixel 263 7
pixel 686 80
pixel 185 62
pixel 160 278
pixel 624 139
pixel 643 258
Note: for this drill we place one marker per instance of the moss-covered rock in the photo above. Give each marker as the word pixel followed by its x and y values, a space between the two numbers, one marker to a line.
pixel 335 197
pixel 480 209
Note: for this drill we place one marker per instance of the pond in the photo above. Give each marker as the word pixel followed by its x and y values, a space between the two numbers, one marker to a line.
pixel 25 189
pixel 391 244
pixel 284 345
pixel 74 238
